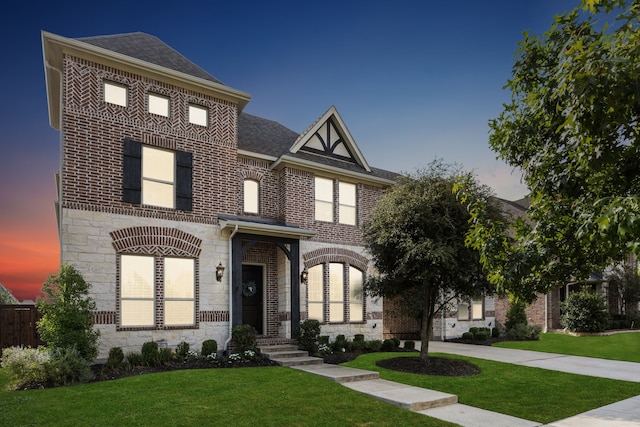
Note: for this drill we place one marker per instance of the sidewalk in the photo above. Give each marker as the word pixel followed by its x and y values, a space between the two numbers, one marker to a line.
pixel 444 406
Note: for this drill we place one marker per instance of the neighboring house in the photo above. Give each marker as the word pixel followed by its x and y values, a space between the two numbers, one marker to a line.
pixel 188 216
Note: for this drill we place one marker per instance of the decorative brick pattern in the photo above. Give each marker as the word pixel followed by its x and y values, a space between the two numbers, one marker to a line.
pixel 333 254
pixel 161 241
pixel 214 316
pixel 104 317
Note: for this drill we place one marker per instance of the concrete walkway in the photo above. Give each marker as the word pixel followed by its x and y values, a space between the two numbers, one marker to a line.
pixel 444 406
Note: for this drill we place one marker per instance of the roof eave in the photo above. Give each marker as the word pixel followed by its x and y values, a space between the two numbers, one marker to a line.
pixel 267 229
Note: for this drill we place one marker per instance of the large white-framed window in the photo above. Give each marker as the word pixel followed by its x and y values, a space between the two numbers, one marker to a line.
pixel 179 292
pixel 327 293
pixel 158 104
pixel 315 293
pixel 115 93
pixel 158 177
pixel 356 295
pixel 198 115
pixel 137 290
pixel 323 199
pixel 347 203
pixel 145 289
pixel 251 190
pixel 336 292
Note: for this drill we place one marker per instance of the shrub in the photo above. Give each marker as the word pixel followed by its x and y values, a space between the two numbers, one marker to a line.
pixel 522 332
pixel 358 338
pixel 516 315
pixel 66 366
pixel 67 313
pixel 467 336
pixel 182 350
pixel 481 336
pixel 495 332
pixel 164 355
pixel 584 311
pixel 324 339
pixel 308 333
pixel 135 359
pixel 209 347
pixel 374 345
pixel 115 358
pixel 388 345
pixel 244 338
pixel 396 342
pixel 410 345
pixel 26 366
pixel 150 353
pixel 473 330
pixel 340 343
pixel 356 345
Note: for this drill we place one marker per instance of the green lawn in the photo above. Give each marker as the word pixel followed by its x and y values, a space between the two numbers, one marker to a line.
pixel 530 393
pixel 616 347
pixel 273 396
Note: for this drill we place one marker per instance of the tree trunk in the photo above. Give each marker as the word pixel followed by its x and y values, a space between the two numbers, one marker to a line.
pixel 425 327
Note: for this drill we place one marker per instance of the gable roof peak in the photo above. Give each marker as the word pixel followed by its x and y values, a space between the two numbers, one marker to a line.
pixel 329 136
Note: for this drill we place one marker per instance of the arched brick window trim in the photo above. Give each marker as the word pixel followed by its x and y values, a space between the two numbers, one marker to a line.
pixel 341 255
pixel 251 174
pixel 159 241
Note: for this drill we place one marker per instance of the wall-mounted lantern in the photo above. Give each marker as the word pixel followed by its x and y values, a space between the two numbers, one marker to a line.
pixel 219 272
pixel 304 276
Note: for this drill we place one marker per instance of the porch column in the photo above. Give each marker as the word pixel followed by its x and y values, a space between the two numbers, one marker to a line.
pixel 236 285
pixel 295 288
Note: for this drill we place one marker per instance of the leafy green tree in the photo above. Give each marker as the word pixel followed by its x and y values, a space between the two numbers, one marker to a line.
pixel 584 311
pixel 6 297
pixel 572 128
pixel 67 318
pixel 416 237
pixel 624 283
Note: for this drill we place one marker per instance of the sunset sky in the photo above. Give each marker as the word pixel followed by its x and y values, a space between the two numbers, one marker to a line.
pixel 413 81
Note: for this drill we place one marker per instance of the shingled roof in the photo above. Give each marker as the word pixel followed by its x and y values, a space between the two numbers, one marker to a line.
pixel 150 49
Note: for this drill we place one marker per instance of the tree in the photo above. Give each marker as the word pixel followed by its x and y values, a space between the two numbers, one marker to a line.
pixel 624 284
pixel 415 236
pixel 6 297
pixel 572 128
pixel 66 308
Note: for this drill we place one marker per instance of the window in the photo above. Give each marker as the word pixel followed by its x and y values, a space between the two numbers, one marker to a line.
pixel 198 115
pixel 137 290
pixel 477 308
pixel 141 291
pixel 158 104
pixel 326 293
pixel 356 295
pixel 347 203
pixel 251 196
pixel 115 94
pixel 336 292
pixel 315 293
pixel 156 177
pixel 324 199
pixel 463 310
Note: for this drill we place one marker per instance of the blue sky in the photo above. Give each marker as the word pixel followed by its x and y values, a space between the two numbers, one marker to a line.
pixel 413 81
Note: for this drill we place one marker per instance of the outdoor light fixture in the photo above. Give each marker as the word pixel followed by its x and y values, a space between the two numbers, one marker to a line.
pixel 219 272
pixel 304 275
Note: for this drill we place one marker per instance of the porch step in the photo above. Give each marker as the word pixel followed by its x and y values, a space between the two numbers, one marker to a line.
pixel 288 355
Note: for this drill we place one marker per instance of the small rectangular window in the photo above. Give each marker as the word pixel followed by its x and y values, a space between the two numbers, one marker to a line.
pixel 198 115
pixel 356 295
pixel 115 94
pixel 323 199
pixel 347 203
pixel 477 309
pixel 251 196
pixel 158 104
pixel 463 311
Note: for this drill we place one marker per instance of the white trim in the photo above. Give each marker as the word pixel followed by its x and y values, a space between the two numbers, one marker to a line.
pixel 267 229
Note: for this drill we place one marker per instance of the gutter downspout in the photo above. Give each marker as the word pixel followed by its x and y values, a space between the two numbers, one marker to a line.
pixel 230 275
pixel 443 323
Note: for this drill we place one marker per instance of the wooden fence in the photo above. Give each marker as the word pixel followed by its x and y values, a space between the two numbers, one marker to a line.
pixel 18 326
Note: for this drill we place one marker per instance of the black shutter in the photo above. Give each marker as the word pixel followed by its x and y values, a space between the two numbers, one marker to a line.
pixel 184 192
pixel 132 172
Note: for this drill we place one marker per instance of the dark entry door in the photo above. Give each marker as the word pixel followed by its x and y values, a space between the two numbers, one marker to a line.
pixel 252 298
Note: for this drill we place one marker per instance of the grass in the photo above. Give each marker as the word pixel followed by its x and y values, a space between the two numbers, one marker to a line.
pixel 615 347
pixel 272 396
pixel 530 393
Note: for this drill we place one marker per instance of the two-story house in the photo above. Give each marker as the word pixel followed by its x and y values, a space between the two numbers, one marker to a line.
pixel 188 216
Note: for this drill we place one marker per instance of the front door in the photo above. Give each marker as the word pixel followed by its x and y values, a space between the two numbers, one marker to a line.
pixel 252 297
